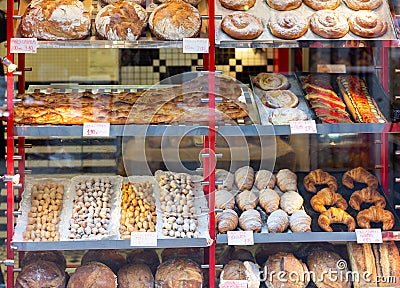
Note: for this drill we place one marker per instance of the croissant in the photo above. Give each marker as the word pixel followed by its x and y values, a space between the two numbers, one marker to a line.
pixel 244 178
pixel 264 179
pixel 250 220
pixel 319 177
pixel 227 179
pixel 228 220
pixel 359 174
pixel 269 200
pixel 327 197
pixel 224 200
pixel 246 200
pixel 278 221
pixel 291 201
pixel 336 215
pixel 367 195
pixel 286 180
pixel 300 221
pixel 375 214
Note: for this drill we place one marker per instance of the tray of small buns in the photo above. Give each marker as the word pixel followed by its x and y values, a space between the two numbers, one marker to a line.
pixel 257 21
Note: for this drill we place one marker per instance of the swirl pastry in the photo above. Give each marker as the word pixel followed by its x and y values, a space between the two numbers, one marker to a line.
pixel 237 4
pixel 291 201
pixel 375 214
pixel 280 98
pixel 250 220
pixel 319 177
pixel 361 175
pixel 322 4
pixel 246 200
pixel 329 24
pixel 336 215
pixel 363 4
pixel 242 26
pixel 367 195
pixel 367 24
pixel 271 81
pixel 288 25
pixel 269 200
pixel 228 220
pixel 284 5
pixel 300 221
pixel 327 197
pixel 264 179
pixel 278 221
pixel 282 116
pixel 224 200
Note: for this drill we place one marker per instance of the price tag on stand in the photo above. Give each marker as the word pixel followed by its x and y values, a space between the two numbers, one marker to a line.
pixel 23 45
pixel 240 238
pixel 233 284
pixel 144 239
pixel 94 129
pixel 369 235
pixel 303 127
pixel 195 45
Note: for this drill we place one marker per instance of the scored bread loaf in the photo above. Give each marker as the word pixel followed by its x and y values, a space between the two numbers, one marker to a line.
pixel 144 256
pixel 179 272
pixel 39 274
pixel 238 270
pixel 110 257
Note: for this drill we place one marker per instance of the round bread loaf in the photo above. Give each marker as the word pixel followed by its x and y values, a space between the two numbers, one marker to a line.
pixel 367 24
pixel 242 25
pixel 122 20
pixel 238 270
pixel 288 25
pixel 179 273
pixel 93 274
pixel 284 5
pixel 112 258
pixel 135 275
pixel 329 24
pixel 55 20
pixel 194 254
pixel 144 256
pixel 238 4
pixel 51 256
pixel 175 20
pixel 40 274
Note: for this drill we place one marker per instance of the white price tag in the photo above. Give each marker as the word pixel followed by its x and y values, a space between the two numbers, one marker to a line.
pixel 195 45
pixel 331 68
pixel 144 239
pixel 369 236
pixel 23 45
pixel 240 238
pixel 93 129
pixel 233 284
pixel 303 127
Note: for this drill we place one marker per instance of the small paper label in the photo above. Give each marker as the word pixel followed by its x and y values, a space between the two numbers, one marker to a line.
pixel 195 45
pixel 93 129
pixel 23 45
pixel 144 239
pixel 240 238
pixel 303 127
pixel 233 284
pixel 331 68
pixel 369 235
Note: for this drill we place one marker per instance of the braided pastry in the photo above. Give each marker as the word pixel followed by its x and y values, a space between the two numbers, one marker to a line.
pixel 367 195
pixel 327 197
pixel 319 177
pixel 336 215
pixel 228 220
pixel 359 174
pixel 375 214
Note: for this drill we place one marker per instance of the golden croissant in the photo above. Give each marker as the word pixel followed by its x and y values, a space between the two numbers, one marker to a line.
pixel 375 214
pixel 319 177
pixel 336 215
pixel 359 174
pixel 367 195
pixel 327 197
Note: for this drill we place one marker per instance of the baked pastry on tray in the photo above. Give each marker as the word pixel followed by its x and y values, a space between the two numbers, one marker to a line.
pixel 237 4
pixel 282 116
pixel 363 4
pixel 329 24
pixel 271 81
pixel 368 24
pixel 288 25
pixel 242 25
pixel 279 99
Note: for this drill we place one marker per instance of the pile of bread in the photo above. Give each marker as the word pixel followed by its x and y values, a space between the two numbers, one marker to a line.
pixel 253 195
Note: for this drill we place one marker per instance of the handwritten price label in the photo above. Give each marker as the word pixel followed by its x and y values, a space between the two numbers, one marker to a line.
pixel 233 284
pixel 144 239
pixel 369 235
pixel 240 238
pixel 303 127
pixel 92 129
pixel 195 45
pixel 23 45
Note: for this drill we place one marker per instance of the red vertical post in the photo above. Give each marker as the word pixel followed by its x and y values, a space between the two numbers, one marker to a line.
pixel 281 60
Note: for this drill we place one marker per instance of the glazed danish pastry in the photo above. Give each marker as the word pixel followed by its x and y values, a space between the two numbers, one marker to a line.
pixel 322 4
pixel 242 26
pixel 288 25
pixel 329 24
pixel 367 24
pixel 363 4
pixel 284 5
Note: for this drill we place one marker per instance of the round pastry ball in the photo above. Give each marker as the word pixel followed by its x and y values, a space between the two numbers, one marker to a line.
pixel 242 25
pixel 51 256
pixel 179 272
pixel 194 254
pixel 135 275
pixel 144 256
pixel 111 258
pixel 93 274
pixel 41 274
pixel 175 20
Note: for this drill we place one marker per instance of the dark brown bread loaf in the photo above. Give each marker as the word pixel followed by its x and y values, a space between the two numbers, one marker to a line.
pixel 135 275
pixel 93 274
pixel 112 258
pixel 179 272
pixel 40 274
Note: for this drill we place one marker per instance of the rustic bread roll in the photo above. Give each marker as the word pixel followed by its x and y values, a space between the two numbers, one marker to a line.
pixel 238 4
pixel 121 21
pixel 179 273
pixel 250 220
pixel 242 26
pixel 367 24
pixel 278 221
pixel 41 274
pixel 329 24
pixel 228 220
pixel 112 258
pixel 135 275
pixel 55 20
pixel 175 20
pixel 93 274
pixel 50 256
pixel 224 200
pixel 246 200
pixel 284 5
pixel 144 256
pixel 244 178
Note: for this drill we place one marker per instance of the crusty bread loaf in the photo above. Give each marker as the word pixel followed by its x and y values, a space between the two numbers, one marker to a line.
pixel 93 274
pixel 112 258
pixel 55 20
pixel 144 256
pixel 175 20
pixel 52 256
pixel 41 274
pixel 179 272
pixel 135 275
